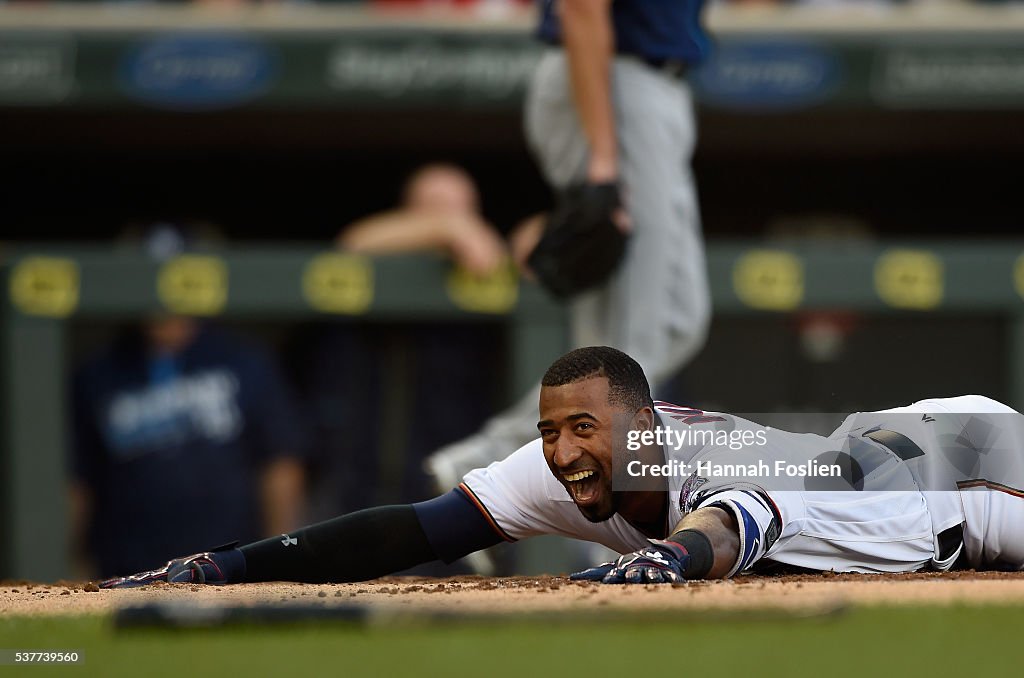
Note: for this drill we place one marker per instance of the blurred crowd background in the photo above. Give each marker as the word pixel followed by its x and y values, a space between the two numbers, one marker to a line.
pixel 253 425
pixel 499 5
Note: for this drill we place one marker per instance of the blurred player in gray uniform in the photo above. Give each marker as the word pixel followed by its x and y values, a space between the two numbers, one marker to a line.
pixel 609 102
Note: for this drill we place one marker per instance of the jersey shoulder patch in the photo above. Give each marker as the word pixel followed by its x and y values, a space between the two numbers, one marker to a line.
pixel 689 493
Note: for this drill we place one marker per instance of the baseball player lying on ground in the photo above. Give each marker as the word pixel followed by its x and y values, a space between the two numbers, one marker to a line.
pixel 686 494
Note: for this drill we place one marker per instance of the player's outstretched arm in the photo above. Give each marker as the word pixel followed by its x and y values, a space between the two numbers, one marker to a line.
pixel 704 545
pixel 719 528
pixel 355 547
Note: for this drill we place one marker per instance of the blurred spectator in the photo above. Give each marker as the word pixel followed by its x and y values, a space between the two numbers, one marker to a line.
pixel 431 373
pixel 185 438
pixel 440 211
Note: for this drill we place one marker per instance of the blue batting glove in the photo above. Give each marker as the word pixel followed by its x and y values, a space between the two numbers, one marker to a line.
pixel 212 567
pixel 596 573
pixel 662 562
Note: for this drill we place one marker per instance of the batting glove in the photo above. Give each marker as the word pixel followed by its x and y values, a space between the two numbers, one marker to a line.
pixel 199 568
pixel 662 562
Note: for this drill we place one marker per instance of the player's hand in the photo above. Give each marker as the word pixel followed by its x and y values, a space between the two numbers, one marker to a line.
pixel 199 568
pixel 596 573
pixel 523 240
pixel 662 562
pixel 475 245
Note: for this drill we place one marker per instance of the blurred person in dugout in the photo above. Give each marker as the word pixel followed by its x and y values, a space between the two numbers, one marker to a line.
pixel 372 433
pixel 439 211
pixel 185 436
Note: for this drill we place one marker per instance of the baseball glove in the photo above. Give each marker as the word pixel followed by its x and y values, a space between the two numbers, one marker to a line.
pixel 582 243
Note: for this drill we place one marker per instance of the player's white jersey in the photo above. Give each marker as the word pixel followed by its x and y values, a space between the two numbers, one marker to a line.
pixel 893 504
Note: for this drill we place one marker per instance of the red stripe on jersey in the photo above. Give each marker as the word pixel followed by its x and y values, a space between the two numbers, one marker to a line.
pixel 999 487
pixel 483 509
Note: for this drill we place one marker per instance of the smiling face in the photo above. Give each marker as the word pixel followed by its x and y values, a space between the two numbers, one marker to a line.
pixel 582 432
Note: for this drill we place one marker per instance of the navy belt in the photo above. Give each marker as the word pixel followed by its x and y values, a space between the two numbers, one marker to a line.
pixel 676 68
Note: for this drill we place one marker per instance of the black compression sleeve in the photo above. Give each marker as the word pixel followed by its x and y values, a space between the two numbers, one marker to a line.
pixel 702 555
pixel 354 547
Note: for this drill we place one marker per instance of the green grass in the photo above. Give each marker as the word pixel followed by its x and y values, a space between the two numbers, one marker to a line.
pixel 902 642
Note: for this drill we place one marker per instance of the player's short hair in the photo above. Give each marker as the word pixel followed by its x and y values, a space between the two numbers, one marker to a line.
pixel 627 384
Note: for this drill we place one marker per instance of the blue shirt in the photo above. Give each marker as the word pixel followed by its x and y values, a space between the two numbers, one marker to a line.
pixel 655 30
pixel 172 447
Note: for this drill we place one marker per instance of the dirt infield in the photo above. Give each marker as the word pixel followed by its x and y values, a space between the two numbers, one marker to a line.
pixel 534 594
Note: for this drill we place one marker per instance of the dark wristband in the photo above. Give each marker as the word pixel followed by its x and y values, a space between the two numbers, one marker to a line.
pixel 698 546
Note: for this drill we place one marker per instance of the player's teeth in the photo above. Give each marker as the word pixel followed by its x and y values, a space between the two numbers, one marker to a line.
pixel 573 477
